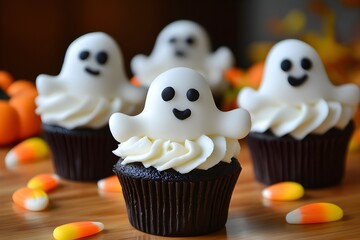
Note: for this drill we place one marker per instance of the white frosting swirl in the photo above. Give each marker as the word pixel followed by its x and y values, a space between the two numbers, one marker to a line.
pixel 202 153
pixel 295 119
pixel 69 111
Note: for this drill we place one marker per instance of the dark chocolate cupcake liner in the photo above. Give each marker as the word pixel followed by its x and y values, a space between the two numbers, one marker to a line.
pixel 81 154
pixel 315 161
pixel 178 208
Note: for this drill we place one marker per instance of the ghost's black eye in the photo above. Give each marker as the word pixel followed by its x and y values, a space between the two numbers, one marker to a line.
pixel 102 57
pixel 167 94
pixel 190 41
pixel 192 94
pixel 306 64
pixel 172 40
pixel 84 55
pixel 285 65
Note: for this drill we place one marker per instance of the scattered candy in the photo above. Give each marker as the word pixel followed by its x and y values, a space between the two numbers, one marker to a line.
pixel 44 181
pixel 315 213
pixel 28 151
pixel 77 230
pixel 354 144
pixel 31 199
pixel 110 184
pixel 284 191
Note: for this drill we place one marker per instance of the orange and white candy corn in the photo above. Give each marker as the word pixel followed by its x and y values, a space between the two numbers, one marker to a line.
pixel 28 151
pixel 31 199
pixel 109 184
pixel 44 181
pixel 284 191
pixel 77 230
pixel 315 213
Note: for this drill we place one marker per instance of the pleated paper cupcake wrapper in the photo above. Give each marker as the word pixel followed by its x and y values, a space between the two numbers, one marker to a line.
pixel 314 162
pixel 178 208
pixel 81 155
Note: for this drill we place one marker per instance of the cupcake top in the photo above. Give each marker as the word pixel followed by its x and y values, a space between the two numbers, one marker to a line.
pixel 180 126
pixel 90 87
pixel 184 43
pixel 296 96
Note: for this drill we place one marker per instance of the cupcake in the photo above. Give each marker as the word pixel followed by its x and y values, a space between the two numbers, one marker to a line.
pixel 178 158
pixel 76 105
pixel 301 122
pixel 184 43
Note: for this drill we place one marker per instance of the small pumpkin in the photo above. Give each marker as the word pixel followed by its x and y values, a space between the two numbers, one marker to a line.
pixel 239 78
pixel 18 119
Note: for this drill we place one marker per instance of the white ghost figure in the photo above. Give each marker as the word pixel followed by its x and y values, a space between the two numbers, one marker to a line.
pixel 184 43
pixel 296 95
pixel 93 65
pixel 92 75
pixel 294 73
pixel 179 106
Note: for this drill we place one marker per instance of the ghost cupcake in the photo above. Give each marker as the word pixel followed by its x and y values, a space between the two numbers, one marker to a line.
pixel 301 122
pixel 75 107
pixel 178 158
pixel 184 43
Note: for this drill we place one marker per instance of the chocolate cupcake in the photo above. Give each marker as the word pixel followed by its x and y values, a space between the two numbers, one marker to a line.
pixel 76 105
pixel 301 122
pixel 178 165
pixel 169 203
pixel 81 154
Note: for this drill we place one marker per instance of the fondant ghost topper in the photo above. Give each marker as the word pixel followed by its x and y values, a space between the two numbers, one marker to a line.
pixel 294 73
pixel 296 96
pixel 93 66
pixel 179 106
pixel 184 43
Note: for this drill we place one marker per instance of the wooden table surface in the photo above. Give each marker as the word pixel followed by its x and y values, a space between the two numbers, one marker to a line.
pixel 250 216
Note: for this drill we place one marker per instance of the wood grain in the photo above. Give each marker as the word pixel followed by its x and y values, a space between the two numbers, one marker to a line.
pixel 250 216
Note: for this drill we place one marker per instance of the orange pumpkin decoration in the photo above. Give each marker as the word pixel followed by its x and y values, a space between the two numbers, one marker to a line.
pixel 251 77
pixel 18 119
pixel 239 78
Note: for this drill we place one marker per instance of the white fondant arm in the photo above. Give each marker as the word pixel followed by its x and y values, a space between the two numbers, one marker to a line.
pixel 216 65
pixel 47 84
pixel 132 94
pixel 250 99
pixel 123 127
pixel 235 124
pixel 222 59
pixel 138 63
pixel 348 94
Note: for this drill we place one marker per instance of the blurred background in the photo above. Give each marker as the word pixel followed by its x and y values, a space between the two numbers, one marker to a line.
pixel 34 35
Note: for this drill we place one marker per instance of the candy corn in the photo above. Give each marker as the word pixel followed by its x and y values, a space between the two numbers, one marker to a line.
pixel 355 141
pixel 44 181
pixel 284 191
pixel 29 150
pixel 31 199
pixel 77 230
pixel 109 184
pixel 315 213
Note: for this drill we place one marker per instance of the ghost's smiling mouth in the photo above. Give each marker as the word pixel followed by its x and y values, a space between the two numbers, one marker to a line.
pixel 91 71
pixel 180 53
pixel 182 115
pixel 293 81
